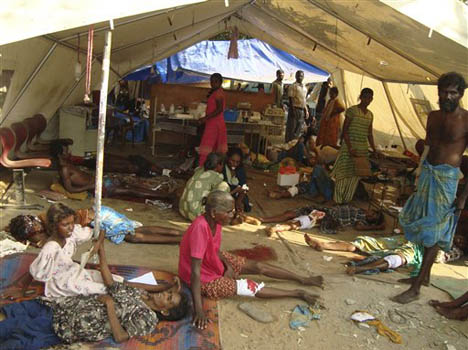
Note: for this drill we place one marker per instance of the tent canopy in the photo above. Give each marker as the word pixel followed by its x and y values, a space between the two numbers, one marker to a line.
pixel 204 58
pixel 367 38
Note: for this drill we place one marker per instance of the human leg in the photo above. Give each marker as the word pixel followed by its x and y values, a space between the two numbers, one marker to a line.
pixel 259 268
pixel 451 304
pixel 153 234
pixel 424 274
pixel 292 225
pixel 337 246
pixel 287 215
pixel 273 293
pixel 345 189
pixel 208 142
pixel 392 261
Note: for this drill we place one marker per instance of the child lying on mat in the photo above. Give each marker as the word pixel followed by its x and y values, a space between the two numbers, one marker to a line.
pixel 54 265
pixel 117 228
pixel 121 311
pixel 214 274
pixel 336 217
pixel 302 222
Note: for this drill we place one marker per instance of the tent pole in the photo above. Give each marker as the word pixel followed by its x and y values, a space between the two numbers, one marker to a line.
pixel 101 132
pixel 390 101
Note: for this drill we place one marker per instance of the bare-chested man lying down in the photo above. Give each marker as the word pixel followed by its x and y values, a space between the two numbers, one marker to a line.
pixel 75 180
pixel 131 164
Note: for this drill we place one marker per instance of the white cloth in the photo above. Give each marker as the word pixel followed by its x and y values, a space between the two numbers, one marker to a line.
pixel 305 221
pixel 297 92
pixel 8 246
pixel 248 288
pixel 293 191
pixel 393 261
pixel 62 276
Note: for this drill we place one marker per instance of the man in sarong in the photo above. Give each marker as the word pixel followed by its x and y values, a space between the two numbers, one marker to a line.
pixel 430 215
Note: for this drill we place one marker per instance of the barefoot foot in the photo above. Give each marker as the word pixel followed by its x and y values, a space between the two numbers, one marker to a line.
pixel 351 270
pixel 274 195
pixel 460 313
pixel 316 281
pixel 406 297
pixel 313 243
pixel 270 231
pixel 309 298
pixel 252 220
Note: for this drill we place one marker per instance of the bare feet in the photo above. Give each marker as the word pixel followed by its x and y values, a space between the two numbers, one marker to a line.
pixel 410 280
pixel 458 313
pixel 309 298
pixel 313 243
pixel 252 220
pixel 351 270
pixel 274 195
pixel 406 297
pixel 313 281
pixel 270 231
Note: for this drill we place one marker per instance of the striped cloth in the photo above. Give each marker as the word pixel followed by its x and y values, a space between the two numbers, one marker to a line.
pixel 344 170
pixel 428 216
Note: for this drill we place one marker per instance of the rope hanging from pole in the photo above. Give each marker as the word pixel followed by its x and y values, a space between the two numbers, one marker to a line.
pixel 89 62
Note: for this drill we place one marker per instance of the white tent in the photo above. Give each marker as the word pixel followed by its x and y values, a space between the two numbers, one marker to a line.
pixel 361 43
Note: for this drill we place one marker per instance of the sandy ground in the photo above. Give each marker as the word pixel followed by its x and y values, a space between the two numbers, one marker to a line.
pixel 423 329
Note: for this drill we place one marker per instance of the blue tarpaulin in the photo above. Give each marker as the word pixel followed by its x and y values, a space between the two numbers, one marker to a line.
pixel 257 62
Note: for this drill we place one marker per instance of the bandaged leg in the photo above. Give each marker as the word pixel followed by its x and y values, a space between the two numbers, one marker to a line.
pixel 393 261
pixel 293 191
pixel 248 288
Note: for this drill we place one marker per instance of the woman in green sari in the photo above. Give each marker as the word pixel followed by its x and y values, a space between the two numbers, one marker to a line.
pixel 357 136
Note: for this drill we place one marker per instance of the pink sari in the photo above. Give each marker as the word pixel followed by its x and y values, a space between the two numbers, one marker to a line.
pixel 214 137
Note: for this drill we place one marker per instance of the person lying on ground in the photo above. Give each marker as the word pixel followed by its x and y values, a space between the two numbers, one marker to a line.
pixel 303 222
pixel 75 180
pixel 453 310
pixel 117 228
pixel 54 265
pixel 320 183
pixel 235 176
pixel 215 274
pixel 337 217
pixel 393 252
pixel 205 180
pixel 122 311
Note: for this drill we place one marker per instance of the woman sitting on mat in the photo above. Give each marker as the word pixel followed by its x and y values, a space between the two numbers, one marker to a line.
pixel 205 180
pixel 54 265
pixel 117 228
pixel 214 274
pixel 121 311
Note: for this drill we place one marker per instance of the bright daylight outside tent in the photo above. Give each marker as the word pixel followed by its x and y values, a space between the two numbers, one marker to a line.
pixel 393 47
pixel 257 62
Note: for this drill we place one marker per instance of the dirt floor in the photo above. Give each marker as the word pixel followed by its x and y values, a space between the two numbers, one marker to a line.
pixel 423 328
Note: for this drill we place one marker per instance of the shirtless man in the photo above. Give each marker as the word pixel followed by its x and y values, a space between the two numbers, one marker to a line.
pixel 75 180
pixel 430 214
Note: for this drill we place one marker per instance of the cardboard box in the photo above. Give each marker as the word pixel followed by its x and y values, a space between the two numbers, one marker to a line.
pixel 288 179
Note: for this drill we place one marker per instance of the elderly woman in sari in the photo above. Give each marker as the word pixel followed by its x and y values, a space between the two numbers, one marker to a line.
pixel 330 122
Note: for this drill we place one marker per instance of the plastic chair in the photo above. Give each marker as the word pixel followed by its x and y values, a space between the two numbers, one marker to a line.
pixel 8 141
pixel 21 133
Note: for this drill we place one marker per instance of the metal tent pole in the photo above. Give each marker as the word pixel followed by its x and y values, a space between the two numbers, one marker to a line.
pixel 102 131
